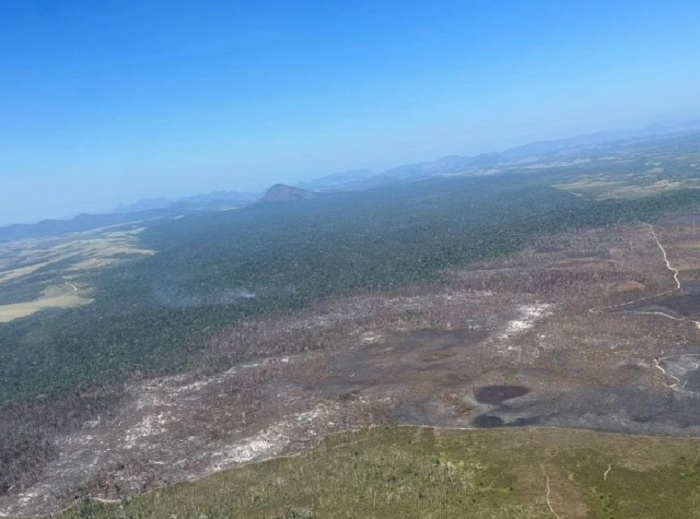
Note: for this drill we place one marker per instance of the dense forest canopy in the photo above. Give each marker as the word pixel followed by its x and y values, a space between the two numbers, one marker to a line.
pixel 217 268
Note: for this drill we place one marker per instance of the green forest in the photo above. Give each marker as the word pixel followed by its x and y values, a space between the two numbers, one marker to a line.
pixel 218 268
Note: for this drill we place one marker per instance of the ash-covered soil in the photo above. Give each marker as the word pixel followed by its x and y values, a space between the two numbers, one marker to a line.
pixel 681 305
pixel 522 341
pixel 496 395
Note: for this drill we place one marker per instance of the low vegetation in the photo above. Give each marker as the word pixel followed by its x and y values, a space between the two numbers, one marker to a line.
pixel 409 472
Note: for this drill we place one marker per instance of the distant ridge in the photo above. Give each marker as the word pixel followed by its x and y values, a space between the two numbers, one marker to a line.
pixel 343 179
pixel 285 193
pixel 148 209
pixel 203 202
pixel 483 164
pixel 81 223
pixel 495 162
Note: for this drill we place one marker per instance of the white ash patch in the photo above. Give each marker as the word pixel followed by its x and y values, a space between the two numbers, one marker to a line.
pixel 680 368
pixel 193 387
pixel 150 425
pixel 529 315
pixel 370 338
pixel 267 443
pixel 146 426
pixel 274 440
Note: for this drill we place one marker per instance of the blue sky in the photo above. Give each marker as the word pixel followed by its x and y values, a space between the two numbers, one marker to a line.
pixel 103 102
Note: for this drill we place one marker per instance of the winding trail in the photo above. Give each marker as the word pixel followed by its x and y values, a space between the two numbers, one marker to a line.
pixel 678 288
pixel 679 285
pixel 549 503
pixel 666 374
pixel 668 263
pixel 549 489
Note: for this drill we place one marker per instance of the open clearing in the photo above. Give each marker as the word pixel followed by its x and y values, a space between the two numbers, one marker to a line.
pixel 45 274
pixel 602 187
pixel 15 311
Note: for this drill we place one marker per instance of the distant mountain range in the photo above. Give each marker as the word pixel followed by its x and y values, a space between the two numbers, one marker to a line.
pixel 490 163
pixel 338 179
pixel 81 223
pixel 204 202
pixel 596 144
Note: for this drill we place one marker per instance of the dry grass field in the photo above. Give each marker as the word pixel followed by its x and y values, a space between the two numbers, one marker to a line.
pixel 52 271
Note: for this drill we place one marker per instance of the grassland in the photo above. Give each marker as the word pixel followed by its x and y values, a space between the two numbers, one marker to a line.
pixel 46 274
pixel 48 299
pixel 602 187
pixel 402 472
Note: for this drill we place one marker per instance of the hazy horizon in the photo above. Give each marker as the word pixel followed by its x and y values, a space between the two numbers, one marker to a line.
pixel 104 104
pixel 261 188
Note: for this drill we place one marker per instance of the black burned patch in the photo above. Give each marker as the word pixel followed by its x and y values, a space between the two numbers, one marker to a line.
pixel 640 410
pixel 487 421
pixel 496 395
pixel 678 305
pixel 692 383
pixel 490 421
pixel 424 372
pixel 691 287
pixel 428 361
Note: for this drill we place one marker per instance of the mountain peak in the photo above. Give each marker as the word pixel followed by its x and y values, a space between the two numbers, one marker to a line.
pixel 285 193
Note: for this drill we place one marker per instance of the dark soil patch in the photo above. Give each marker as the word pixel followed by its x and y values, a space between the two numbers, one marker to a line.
pixel 426 372
pixel 487 421
pixel 435 360
pixel 693 382
pixel 677 305
pixel 641 410
pixel 496 395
